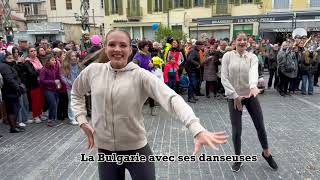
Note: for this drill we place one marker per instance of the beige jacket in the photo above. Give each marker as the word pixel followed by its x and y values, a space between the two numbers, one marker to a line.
pixel 239 74
pixel 117 97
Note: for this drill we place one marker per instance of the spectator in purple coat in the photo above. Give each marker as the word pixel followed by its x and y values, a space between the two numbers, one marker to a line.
pixel 50 81
pixel 143 57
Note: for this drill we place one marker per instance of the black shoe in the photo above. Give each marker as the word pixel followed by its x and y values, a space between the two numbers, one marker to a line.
pixel 282 94
pixel 21 129
pixel 270 161
pixel 236 166
pixel 196 99
pixel 191 100
pixel 1 136
pixel 208 96
pixel 14 130
pixel 316 85
pixel 310 93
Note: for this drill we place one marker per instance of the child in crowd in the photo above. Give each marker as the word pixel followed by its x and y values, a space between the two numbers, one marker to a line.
pixel 171 73
pixel 51 83
pixel 157 64
pixel 69 72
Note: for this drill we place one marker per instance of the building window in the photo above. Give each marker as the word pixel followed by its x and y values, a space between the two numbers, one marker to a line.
pixel 246 1
pixel 69 4
pixel 178 3
pixel 26 10
pixel 53 5
pixel 35 9
pixel 198 3
pixel 157 5
pixel 281 4
pixel 114 7
pixel 314 3
pixel 176 27
pixel 102 3
pixel 222 7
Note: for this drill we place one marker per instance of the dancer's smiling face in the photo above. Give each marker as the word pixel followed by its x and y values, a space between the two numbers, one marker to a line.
pixel 118 48
pixel 241 42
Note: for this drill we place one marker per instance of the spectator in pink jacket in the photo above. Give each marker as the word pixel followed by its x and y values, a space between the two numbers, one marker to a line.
pixel 170 73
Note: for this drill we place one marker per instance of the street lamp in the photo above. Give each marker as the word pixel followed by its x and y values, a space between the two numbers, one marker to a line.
pixel 84 17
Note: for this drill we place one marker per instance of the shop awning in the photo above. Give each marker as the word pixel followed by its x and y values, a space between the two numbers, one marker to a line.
pixel 43 32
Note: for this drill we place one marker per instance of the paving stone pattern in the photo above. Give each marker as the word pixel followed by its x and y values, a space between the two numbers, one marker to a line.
pixel 292 125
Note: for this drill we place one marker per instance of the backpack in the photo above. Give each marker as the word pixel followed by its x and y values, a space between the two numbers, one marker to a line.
pixel 184 81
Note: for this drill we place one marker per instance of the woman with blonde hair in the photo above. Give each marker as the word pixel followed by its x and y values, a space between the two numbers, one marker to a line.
pixel 70 70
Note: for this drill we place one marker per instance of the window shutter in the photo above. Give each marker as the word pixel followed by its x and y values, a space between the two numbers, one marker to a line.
pixel 208 3
pixel 106 7
pixel 150 6
pixel 170 4
pixel 186 4
pixel 120 7
pixel 165 6
pixel 257 1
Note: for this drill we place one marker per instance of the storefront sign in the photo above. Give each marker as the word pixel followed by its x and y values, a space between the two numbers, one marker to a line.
pixel 248 20
pixel 282 30
pixel 244 19
pixel 267 19
pixel 221 21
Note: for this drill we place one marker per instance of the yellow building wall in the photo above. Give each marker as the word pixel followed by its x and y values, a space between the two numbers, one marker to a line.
pixel 246 10
pixel 183 16
pixel 176 17
pixel 296 5
pixel 267 6
pixel 299 5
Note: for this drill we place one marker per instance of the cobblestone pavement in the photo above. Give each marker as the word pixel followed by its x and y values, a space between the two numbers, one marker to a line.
pixel 292 125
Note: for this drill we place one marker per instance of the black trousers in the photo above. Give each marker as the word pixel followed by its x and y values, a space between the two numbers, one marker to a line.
pixel 253 106
pixel 273 73
pixel 211 85
pixel 62 111
pixel 284 83
pixel 138 170
pixel 88 105
pixel 316 75
pixel 151 102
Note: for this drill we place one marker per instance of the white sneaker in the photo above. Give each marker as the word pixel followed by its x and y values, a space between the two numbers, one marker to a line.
pixel 22 124
pixel 37 120
pixel 43 117
pixel 74 122
pixel 30 121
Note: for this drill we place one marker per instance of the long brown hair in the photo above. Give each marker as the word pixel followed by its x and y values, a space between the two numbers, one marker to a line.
pixel 66 63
